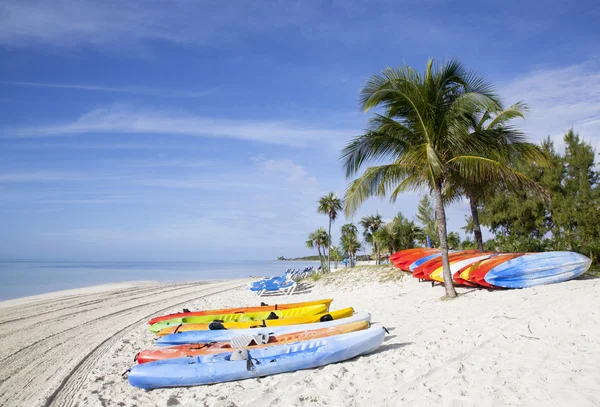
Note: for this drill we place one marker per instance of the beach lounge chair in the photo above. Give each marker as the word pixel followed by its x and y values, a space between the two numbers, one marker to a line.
pixel 287 288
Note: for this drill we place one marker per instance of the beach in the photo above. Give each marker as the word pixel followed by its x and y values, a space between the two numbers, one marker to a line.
pixel 530 347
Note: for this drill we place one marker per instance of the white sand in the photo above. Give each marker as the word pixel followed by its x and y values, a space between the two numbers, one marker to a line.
pixel 533 347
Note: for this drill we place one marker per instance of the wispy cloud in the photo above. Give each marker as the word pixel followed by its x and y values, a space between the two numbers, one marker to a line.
pixel 560 98
pixel 41 176
pixel 71 23
pixel 120 120
pixel 135 90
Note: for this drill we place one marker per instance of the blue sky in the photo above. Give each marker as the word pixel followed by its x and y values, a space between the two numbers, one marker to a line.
pixel 200 129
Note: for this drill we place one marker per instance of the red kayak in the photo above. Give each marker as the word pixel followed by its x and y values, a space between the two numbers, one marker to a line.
pixel 405 258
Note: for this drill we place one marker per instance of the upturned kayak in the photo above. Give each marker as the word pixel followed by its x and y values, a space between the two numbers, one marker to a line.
pixel 241 310
pixel 223 335
pixel 260 362
pixel 538 269
pixel 179 351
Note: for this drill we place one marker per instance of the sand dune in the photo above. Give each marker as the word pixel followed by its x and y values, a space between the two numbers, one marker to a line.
pixel 532 347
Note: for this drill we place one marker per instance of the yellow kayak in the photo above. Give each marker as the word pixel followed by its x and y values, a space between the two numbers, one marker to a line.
pixel 241 317
pixel 292 320
pixel 241 310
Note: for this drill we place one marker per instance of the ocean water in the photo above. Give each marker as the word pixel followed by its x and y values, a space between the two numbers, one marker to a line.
pixel 24 278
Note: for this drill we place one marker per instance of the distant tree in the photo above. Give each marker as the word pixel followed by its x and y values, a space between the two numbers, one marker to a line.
pixel 336 255
pixel 453 241
pixel 370 225
pixel 318 239
pixel 329 205
pixel 426 217
pixel 467 244
pixel 349 241
pixel 399 234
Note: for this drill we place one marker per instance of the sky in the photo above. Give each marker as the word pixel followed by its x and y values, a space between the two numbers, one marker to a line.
pixel 190 130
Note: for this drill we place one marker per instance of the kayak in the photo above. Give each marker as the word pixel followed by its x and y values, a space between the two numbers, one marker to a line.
pixel 265 307
pixel 223 335
pixel 476 273
pixel 412 266
pixel 200 370
pixel 538 269
pixel 424 270
pixel 294 320
pixel 403 259
pixel 179 351
pixel 457 264
pixel 247 316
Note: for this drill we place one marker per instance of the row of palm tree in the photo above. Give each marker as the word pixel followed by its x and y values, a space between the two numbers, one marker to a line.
pixel 445 131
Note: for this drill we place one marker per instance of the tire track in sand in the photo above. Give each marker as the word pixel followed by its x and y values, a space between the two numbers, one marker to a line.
pixel 50 371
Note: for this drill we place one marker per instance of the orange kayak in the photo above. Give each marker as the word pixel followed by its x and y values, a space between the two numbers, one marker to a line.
pixel 181 351
pixel 241 310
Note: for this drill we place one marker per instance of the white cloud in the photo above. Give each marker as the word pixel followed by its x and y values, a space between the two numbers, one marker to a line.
pixel 119 120
pixel 137 90
pixel 559 98
pixel 292 172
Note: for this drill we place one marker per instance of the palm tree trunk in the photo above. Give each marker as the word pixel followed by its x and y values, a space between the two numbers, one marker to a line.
pixel 441 222
pixel 320 257
pixel 476 225
pixel 378 260
pixel 329 251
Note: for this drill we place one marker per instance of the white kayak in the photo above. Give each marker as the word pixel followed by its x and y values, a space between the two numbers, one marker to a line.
pixel 225 335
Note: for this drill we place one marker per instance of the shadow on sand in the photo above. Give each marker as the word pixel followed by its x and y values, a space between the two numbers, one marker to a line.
pixel 391 346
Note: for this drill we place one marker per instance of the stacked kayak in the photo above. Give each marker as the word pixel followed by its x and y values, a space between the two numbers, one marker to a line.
pixel 263 307
pixel 213 346
pixel 494 270
pixel 265 361
pixel 163 326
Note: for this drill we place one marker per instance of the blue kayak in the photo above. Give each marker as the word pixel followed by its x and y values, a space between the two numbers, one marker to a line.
pixel 266 361
pixel 538 269
pixel 422 260
pixel 225 335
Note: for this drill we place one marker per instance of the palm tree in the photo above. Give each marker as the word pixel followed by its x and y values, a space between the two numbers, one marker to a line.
pixel 399 234
pixel 371 224
pixel 454 241
pixel 349 241
pixel 330 205
pixel 336 255
pixel 511 153
pixel 318 239
pixel 425 132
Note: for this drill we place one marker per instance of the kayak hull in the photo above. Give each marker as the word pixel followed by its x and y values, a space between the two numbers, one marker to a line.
pixel 538 269
pixel 262 362
pixel 240 317
pixel 179 351
pixel 223 335
pixel 301 319
pixel 275 307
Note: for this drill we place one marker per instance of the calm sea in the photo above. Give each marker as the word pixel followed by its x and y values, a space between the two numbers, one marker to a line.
pixel 24 278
